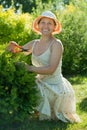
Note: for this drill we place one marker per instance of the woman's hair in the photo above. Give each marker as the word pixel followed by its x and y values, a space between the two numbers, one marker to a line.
pixel 42 18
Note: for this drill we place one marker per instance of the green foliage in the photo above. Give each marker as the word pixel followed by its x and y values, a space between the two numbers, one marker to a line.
pixel 14 26
pixel 18 94
pixel 73 37
pixel 26 4
pixel 18 27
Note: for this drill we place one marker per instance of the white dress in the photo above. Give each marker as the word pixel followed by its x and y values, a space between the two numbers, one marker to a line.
pixel 57 95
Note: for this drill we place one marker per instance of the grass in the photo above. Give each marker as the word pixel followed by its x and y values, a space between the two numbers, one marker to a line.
pixel 80 86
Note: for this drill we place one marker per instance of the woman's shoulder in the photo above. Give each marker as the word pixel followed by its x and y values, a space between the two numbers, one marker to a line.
pixel 36 40
pixel 33 42
pixel 58 43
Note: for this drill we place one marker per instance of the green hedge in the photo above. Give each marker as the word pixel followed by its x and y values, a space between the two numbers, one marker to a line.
pixel 18 94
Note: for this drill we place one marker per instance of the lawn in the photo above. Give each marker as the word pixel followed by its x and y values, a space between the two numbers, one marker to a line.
pixel 80 86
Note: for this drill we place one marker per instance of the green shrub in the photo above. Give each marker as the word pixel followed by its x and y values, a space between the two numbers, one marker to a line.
pixel 18 94
pixel 14 26
pixel 74 39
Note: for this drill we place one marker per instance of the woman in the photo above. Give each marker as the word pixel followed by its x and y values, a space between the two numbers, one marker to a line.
pixel 57 95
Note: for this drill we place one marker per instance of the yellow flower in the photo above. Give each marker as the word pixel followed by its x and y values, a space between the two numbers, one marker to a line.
pixel 70 8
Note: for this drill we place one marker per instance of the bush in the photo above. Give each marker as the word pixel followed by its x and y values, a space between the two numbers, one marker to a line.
pixel 73 37
pixel 18 94
pixel 14 26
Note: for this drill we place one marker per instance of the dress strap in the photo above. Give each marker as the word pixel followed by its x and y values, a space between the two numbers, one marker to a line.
pixel 51 43
pixel 34 44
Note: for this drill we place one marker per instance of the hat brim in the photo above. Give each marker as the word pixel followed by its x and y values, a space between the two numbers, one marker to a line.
pixel 36 29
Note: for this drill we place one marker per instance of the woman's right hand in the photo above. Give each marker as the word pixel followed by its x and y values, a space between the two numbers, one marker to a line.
pixel 14 47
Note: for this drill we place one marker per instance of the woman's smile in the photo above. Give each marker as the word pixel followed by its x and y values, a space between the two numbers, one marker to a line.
pixel 46 25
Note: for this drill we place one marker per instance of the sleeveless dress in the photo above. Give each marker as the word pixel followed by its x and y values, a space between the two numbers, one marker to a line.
pixel 57 95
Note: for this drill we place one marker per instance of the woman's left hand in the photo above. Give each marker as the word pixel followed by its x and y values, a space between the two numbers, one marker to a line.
pixel 19 64
pixel 28 67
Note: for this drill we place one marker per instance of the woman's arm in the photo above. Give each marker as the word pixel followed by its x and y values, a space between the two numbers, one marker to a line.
pixel 56 53
pixel 15 47
pixel 27 48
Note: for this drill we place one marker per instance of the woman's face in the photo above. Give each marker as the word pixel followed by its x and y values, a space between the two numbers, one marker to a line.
pixel 46 26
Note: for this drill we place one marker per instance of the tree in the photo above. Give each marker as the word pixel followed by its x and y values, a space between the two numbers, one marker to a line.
pixel 26 4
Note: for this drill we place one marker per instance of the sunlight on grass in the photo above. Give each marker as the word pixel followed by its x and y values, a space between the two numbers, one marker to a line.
pixel 80 86
pixel 78 79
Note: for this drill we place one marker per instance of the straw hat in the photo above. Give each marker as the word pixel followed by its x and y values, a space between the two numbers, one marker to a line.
pixel 47 14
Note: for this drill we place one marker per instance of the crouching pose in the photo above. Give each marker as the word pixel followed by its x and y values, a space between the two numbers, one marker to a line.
pixel 57 95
